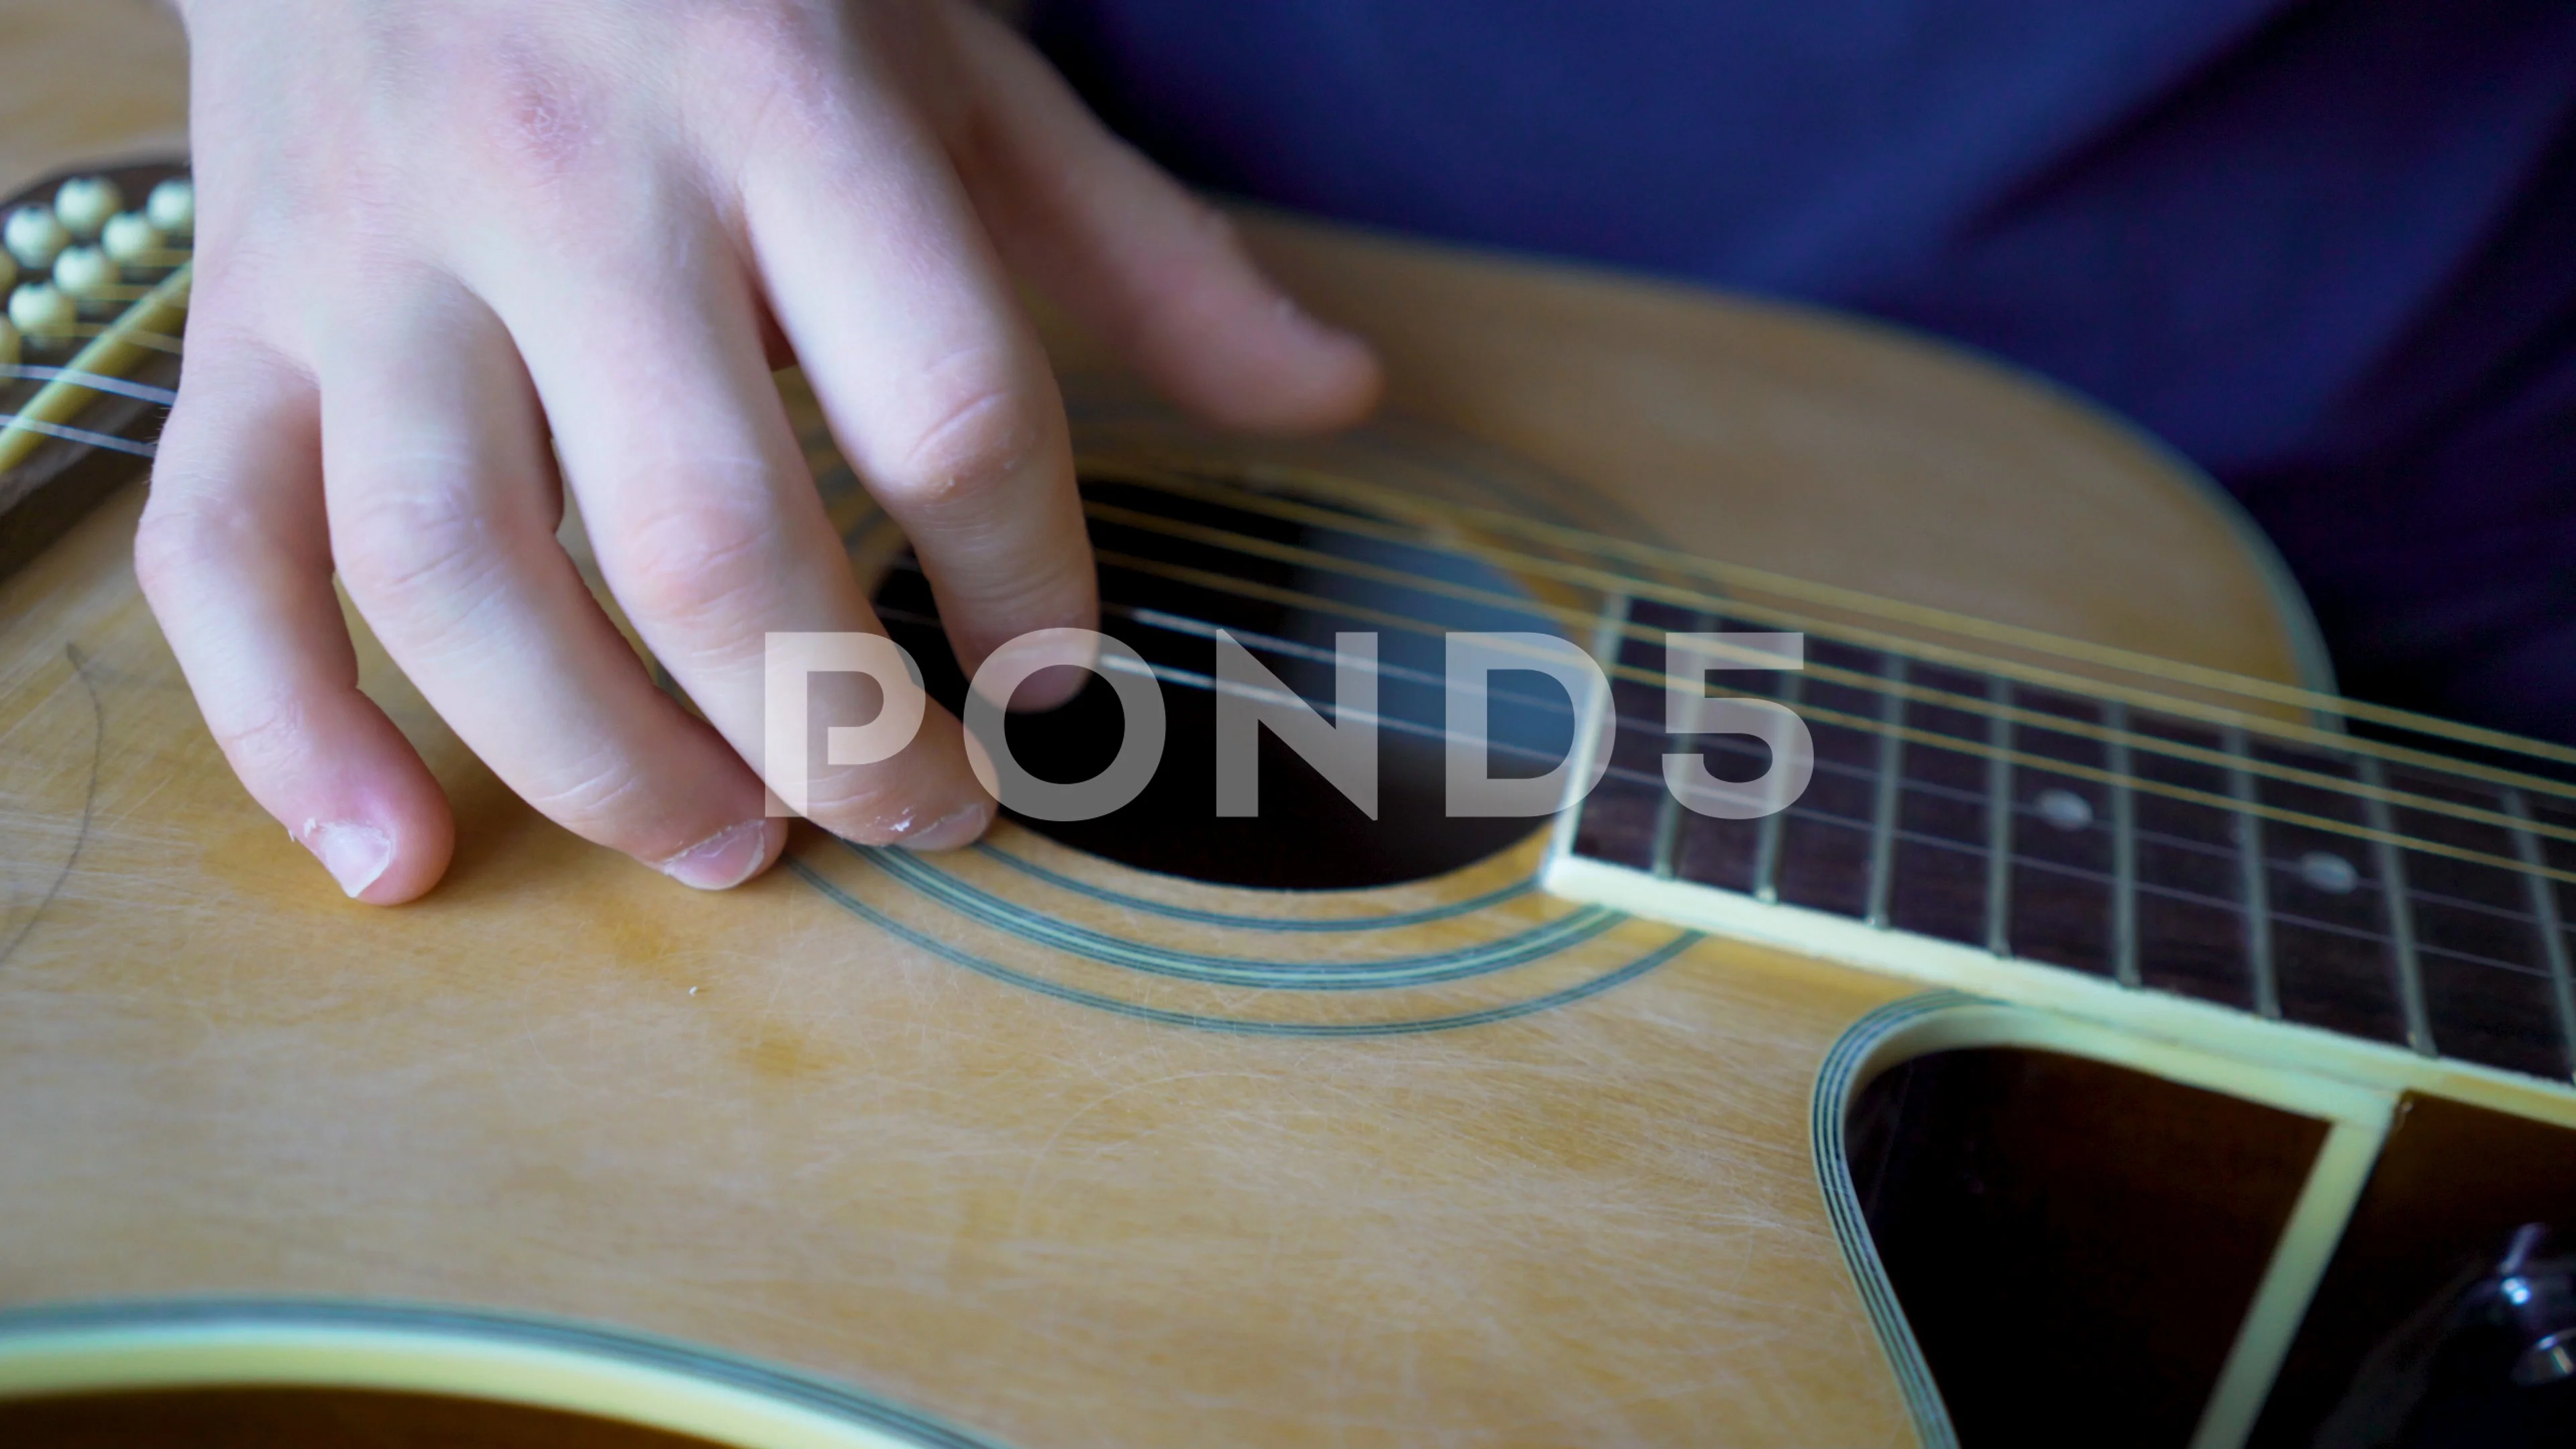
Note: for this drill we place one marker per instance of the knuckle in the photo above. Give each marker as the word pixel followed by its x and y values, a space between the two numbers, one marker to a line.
pixel 176 542
pixel 598 797
pixel 696 563
pixel 413 549
pixel 1059 586
pixel 530 104
pixel 786 63
pixel 982 431
pixel 609 797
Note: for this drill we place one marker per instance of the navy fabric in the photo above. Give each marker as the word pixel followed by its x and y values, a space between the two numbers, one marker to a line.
pixel 2328 249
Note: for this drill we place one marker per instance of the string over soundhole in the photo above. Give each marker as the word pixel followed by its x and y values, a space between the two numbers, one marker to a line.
pixel 1183 558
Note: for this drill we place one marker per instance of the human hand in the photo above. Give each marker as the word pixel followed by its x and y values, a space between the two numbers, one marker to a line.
pixel 436 236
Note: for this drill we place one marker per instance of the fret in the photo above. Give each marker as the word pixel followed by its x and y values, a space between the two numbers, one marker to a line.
pixel 2400 910
pixel 2062 867
pixel 2189 895
pixel 1610 642
pixel 1702 848
pixel 2544 915
pixel 2124 852
pixel 1766 845
pixel 1889 785
pixel 1618 820
pixel 2483 951
pixel 1668 832
pixel 1940 864
pixel 2256 900
pixel 1999 819
pixel 1826 839
pixel 2330 947
pixel 1669 813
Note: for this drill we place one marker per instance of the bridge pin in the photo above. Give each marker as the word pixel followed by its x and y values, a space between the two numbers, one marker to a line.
pixel 129 237
pixel 43 313
pixel 172 206
pixel 84 274
pixel 85 203
pixel 35 236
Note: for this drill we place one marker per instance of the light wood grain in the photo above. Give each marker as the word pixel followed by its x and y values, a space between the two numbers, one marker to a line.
pixel 755 1121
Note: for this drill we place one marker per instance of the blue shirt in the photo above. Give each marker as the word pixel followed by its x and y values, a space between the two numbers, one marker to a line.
pixel 2325 247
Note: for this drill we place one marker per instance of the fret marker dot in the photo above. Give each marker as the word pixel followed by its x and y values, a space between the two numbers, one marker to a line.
pixel 2064 809
pixel 2328 872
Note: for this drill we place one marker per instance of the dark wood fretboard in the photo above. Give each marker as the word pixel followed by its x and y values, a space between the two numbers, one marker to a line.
pixel 2375 893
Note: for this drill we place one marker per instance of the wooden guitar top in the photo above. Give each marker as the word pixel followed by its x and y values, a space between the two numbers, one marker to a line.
pixel 1058 1152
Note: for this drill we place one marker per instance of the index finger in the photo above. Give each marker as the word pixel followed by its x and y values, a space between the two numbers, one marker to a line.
pixel 934 383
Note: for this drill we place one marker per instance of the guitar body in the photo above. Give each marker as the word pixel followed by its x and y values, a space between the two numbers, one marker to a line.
pixel 1048 1149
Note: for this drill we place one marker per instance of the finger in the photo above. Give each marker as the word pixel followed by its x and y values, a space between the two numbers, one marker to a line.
pixel 704 517
pixel 234 557
pixel 1154 270
pixel 444 508
pixel 934 384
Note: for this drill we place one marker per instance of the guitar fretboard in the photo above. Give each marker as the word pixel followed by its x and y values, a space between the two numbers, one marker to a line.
pixel 2375 894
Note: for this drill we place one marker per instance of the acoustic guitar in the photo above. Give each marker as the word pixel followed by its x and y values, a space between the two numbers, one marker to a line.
pixel 2121 1040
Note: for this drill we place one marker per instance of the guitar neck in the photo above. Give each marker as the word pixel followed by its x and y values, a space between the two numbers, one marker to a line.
pixel 2368 888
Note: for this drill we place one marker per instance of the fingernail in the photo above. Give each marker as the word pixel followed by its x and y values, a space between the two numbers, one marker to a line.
pixel 354 853
pixel 723 860
pixel 958 827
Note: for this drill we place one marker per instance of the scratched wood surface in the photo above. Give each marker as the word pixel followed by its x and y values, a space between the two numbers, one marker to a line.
pixel 860 1122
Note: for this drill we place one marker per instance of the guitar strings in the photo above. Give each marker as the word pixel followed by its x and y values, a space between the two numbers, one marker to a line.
pixel 94 381
pixel 85 436
pixel 1939 620
pixel 2022 760
pixel 1874 683
pixel 1601 581
pixel 1608 583
pixel 1737 576
pixel 1741 577
pixel 1190 679
pixel 1968 704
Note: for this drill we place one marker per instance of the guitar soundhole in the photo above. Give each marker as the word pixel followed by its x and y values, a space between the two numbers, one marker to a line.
pixel 282 1418
pixel 1284 589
